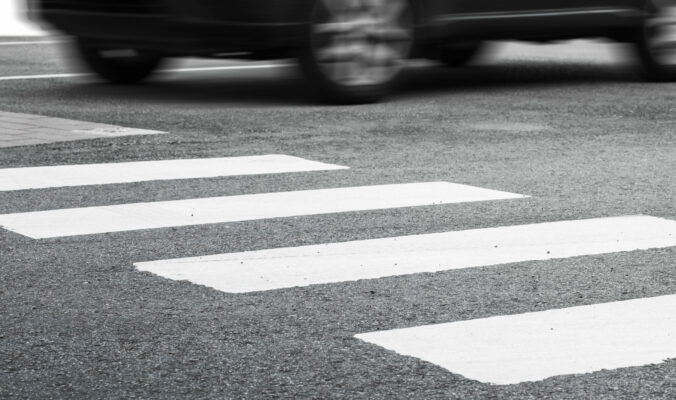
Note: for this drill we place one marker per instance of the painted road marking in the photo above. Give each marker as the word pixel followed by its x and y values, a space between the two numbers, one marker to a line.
pixel 30 42
pixel 197 69
pixel 100 174
pixel 126 217
pixel 376 258
pixel 511 349
pixel 44 76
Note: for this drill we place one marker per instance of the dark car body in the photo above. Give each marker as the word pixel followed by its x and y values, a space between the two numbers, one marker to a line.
pixel 182 27
pixel 204 26
pixel 280 28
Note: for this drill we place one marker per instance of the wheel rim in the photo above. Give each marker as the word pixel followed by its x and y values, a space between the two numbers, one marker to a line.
pixel 361 42
pixel 661 33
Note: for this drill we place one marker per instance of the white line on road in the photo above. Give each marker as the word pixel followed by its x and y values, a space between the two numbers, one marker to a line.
pixel 534 346
pixel 100 174
pixel 31 42
pixel 46 76
pixel 368 259
pixel 126 217
pixel 228 67
pixel 197 69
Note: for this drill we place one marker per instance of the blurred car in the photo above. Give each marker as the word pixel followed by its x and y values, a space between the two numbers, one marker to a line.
pixel 353 50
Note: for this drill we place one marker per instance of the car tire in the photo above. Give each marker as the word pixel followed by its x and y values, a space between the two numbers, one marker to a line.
pixel 656 41
pixel 121 66
pixel 458 54
pixel 356 49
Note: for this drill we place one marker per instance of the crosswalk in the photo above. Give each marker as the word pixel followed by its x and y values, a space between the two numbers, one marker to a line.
pixel 498 350
pixel 369 259
pixel 533 346
pixel 128 217
pixel 143 171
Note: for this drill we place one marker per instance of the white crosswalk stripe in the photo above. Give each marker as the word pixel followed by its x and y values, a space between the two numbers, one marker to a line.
pixel 126 217
pixel 533 346
pixel 376 258
pixel 140 171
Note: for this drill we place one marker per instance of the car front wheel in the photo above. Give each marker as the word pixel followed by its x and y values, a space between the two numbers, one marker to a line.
pixel 123 66
pixel 357 48
pixel 656 41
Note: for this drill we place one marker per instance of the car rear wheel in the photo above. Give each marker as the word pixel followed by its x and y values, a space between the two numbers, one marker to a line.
pixel 357 48
pixel 118 65
pixel 656 41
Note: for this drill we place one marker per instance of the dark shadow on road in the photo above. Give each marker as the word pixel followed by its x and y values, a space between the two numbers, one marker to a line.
pixel 256 87
pixel 285 87
pixel 485 78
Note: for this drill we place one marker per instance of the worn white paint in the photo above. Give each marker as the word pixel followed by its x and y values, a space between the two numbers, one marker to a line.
pixel 115 131
pixel 229 67
pixel 126 217
pixel 42 76
pixel 195 69
pixel 368 259
pixel 30 42
pixel 519 348
pixel 100 174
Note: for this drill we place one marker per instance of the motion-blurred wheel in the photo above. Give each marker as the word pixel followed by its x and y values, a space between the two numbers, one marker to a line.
pixel 656 42
pixel 357 48
pixel 123 66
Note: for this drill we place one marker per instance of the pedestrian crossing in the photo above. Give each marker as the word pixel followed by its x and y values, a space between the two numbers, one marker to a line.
pixel 527 347
pixel 498 350
pixel 143 171
pixel 165 214
pixel 377 258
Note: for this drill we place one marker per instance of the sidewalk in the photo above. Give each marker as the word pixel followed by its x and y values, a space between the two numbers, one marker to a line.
pixel 13 21
pixel 26 129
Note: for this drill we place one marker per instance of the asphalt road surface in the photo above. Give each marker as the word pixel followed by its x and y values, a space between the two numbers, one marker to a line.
pixel 560 132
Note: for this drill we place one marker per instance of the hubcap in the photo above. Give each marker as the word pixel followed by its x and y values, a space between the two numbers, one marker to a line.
pixel 361 42
pixel 661 33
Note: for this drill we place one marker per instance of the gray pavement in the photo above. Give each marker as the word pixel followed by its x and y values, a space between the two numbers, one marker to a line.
pixel 582 137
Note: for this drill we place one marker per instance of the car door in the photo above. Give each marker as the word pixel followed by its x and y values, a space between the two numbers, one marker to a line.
pixel 527 18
